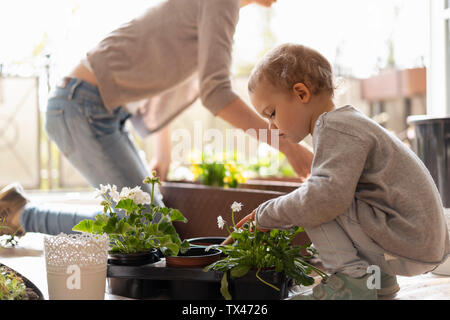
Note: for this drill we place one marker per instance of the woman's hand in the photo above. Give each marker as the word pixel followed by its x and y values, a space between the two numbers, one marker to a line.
pixel 299 157
pixel 161 162
pixel 248 218
pixel 161 166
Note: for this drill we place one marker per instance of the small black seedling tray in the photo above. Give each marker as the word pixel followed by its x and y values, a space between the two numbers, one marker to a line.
pixel 156 281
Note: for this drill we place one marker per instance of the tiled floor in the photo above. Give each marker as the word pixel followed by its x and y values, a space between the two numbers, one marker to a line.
pixel 28 259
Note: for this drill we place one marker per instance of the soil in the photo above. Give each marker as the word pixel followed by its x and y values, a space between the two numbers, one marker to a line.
pixel 31 294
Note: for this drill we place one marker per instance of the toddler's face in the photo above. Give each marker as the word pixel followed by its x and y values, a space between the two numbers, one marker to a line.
pixel 284 110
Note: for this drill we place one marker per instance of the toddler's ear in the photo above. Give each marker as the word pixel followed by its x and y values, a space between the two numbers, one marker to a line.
pixel 302 92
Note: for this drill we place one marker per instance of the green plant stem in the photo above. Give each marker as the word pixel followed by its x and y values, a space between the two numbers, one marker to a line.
pixel 318 271
pixel 153 191
pixel 265 282
pixel 232 219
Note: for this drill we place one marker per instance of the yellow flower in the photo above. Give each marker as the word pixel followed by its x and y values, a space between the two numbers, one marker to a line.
pixel 196 170
pixel 240 178
pixel 227 179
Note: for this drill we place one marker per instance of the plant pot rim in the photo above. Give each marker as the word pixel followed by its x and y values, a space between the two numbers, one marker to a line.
pixel 198 261
pixel 213 238
pixel 134 259
pixel 150 251
pixel 210 252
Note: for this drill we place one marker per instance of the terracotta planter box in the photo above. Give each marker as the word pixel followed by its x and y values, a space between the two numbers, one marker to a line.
pixel 285 186
pixel 202 204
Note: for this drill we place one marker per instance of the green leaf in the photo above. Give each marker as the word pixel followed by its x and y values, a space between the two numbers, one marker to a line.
pixel 127 205
pixel 224 287
pixel 148 216
pixel 163 210
pixel 123 227
pixel 84 226
pixel 185 245
pixel 166 228
pixel 110 227
pixel 239 271
pixel 173 249
pixel 176 215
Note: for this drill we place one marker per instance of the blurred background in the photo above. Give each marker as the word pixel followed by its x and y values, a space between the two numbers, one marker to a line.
pixel 385 54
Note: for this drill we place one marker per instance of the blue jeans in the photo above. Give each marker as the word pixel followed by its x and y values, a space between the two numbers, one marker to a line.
pixel 96 143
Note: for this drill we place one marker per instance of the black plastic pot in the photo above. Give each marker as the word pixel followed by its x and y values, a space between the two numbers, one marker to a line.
pixel 134 287
pixel 195 257
pixel 134 259
pixel 205 241
pixel 249 287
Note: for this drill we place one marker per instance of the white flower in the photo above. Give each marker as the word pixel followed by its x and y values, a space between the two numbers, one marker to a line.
pixel 124 192
pixel 220 222
pixel 98 192
pixel 139 196
pixel 145 198
pixel 236 206
pixel 115 195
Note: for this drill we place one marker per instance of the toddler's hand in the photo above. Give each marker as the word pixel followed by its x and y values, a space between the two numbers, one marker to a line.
pixel 249 218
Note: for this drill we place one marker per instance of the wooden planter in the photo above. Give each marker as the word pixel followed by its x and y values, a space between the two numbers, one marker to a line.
pixel 202 204
pixel 284 186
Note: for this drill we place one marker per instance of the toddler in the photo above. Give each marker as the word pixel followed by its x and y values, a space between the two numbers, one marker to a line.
pixel 369 200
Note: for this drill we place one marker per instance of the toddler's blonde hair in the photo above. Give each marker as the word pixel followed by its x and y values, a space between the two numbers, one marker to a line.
pixel 288 64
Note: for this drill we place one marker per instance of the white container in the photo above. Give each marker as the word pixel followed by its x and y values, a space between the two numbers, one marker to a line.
pixel 444 268
pixel 76 266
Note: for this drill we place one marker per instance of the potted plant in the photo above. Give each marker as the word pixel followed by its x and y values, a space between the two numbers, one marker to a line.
pixel 138 234
pixel 14 286
pixel 138 237
pixel 263 256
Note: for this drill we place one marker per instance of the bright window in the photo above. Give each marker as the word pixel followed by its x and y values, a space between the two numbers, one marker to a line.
pixel 438 75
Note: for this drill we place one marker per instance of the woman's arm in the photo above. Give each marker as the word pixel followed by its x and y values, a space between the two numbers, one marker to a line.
pixel 161 161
